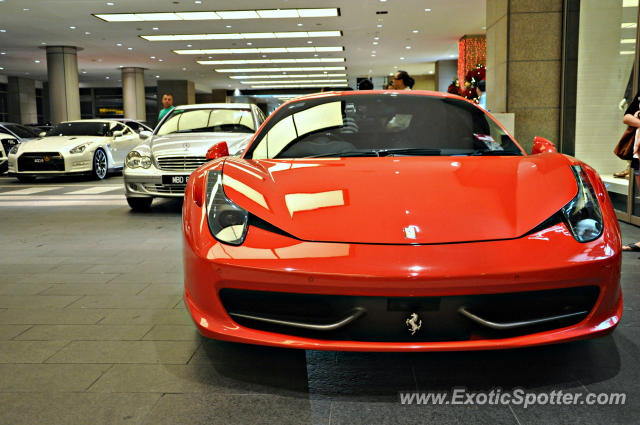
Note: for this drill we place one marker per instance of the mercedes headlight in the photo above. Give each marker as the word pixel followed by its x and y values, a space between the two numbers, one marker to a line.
pixel 582 214
pixel 136 160
pixel 228 222
pixel 14 150
pixel 78 149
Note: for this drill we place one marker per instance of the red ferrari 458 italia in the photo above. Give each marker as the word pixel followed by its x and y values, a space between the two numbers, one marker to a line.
pixel 398 221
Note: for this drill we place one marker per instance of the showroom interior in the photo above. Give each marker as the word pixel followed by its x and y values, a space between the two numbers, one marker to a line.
pixel 103 230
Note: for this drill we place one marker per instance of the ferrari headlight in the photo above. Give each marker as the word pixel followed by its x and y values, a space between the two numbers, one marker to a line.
pixel 136 160
pixel 582 214
pixel 228 222
pixel 78 149
pixel 14 150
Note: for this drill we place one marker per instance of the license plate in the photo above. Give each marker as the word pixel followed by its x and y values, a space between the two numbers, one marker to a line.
pixel 175 179
pixel 38 160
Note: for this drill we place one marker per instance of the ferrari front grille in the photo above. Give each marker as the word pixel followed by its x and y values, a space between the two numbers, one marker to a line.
pixel 180 163
pixel 409 319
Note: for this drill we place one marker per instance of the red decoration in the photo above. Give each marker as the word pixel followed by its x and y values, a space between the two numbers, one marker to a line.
pixel 472 51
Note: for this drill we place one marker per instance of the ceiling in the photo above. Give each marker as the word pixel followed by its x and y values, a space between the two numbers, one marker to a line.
pixel 27 26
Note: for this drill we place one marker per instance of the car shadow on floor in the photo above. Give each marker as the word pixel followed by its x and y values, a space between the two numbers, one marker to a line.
pixel 380 376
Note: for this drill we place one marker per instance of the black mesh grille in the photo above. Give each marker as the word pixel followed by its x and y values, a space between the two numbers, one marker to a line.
pixel 385 319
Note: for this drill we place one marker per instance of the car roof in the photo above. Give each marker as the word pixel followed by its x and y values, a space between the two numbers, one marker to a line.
pixel 217 106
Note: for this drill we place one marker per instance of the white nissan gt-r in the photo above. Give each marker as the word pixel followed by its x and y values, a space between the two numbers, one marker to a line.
pixel 89 147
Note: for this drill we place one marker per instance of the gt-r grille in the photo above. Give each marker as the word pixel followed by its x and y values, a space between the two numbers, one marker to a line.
pixel 166 188
pixel 41 161
pixel 389 319
pixel 180 163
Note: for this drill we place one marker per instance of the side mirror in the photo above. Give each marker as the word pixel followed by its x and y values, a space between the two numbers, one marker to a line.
pixel 145 134
pixel 117 133
pixel 542 145
pixel 42 133
pixel 218 151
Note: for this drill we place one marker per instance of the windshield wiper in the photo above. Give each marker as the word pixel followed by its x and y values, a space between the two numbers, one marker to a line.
pixel 494 153
pixel 346 153
pixel 410 151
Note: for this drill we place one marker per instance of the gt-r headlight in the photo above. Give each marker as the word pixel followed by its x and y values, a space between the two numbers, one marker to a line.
pixel 582 214
pixel 79 149
pixel 137 160
pixel 228 223
pixel 14 150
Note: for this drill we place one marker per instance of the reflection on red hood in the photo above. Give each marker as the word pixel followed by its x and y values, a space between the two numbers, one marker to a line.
pixel 402 200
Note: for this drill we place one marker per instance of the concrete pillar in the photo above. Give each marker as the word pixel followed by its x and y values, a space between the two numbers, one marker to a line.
pixel 64 94
pixel 446 71
pixel 133 93
pixel 524 65
pixel 22 105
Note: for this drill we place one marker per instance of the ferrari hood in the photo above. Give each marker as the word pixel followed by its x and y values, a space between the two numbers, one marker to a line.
pixel 58 143
pixel 197 144
pixel 402 200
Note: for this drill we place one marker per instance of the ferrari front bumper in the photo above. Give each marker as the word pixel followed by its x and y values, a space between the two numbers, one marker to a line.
pixel 409 277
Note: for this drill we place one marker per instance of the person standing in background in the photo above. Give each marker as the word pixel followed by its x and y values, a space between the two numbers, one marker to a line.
pixel 481 89
pixel 402 81
pixel 167 105
pixel 631 118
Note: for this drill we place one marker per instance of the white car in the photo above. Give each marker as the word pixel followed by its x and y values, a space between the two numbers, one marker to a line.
pixel 10 135
pixel 92 147
pixel 161 166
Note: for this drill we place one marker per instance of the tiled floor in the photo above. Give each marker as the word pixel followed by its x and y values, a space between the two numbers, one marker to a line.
pixel 93 330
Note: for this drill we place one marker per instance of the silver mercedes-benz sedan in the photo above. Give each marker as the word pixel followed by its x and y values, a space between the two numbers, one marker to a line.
pixel 161 166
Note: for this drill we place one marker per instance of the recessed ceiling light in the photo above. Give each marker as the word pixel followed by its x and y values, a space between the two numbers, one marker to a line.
pixel 309 42
pixel 129 48
pixel 228 26
pixel 3 53
pixel 119 44
pixel 376 38
pixel 249 43
pixel 379 25
pixel 299 24
pixel 264 56
pixel 84 72
pixel 184 69
pixel 215 15
pixel 407 47
pixel 87 33
pixel 242 36
pixel 1 30
pixel 431 72
pixel 279 76
pixel 160 60
pixel 72 27
pixel 43 43
pixel 152 57
pixel 26 9
pixel 373 55
pixel 415 31
pixel 36 61
pixel 157 76
pixel 1 68
pixel 292 69
pixel 375 43
pixel 155 28
pixel 402 58
pixel 198 1
pixel 427 10
pixel 189 45
pixel 264 61
pixel 253 50
pixel 110 3
pixel 107 78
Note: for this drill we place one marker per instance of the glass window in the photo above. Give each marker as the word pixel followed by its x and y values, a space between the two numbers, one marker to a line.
pixel 382 124
pixel 606 51
pixel 79 128
pixel 208 120
pixel 21 131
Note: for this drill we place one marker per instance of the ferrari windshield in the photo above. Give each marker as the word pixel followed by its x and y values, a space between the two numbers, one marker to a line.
pixel 207 120
pixel 381 125
pixel 88 128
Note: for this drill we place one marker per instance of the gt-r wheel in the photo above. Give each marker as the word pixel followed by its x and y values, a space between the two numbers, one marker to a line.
pixel 100 165
pixel 26 179
pixel 140 204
